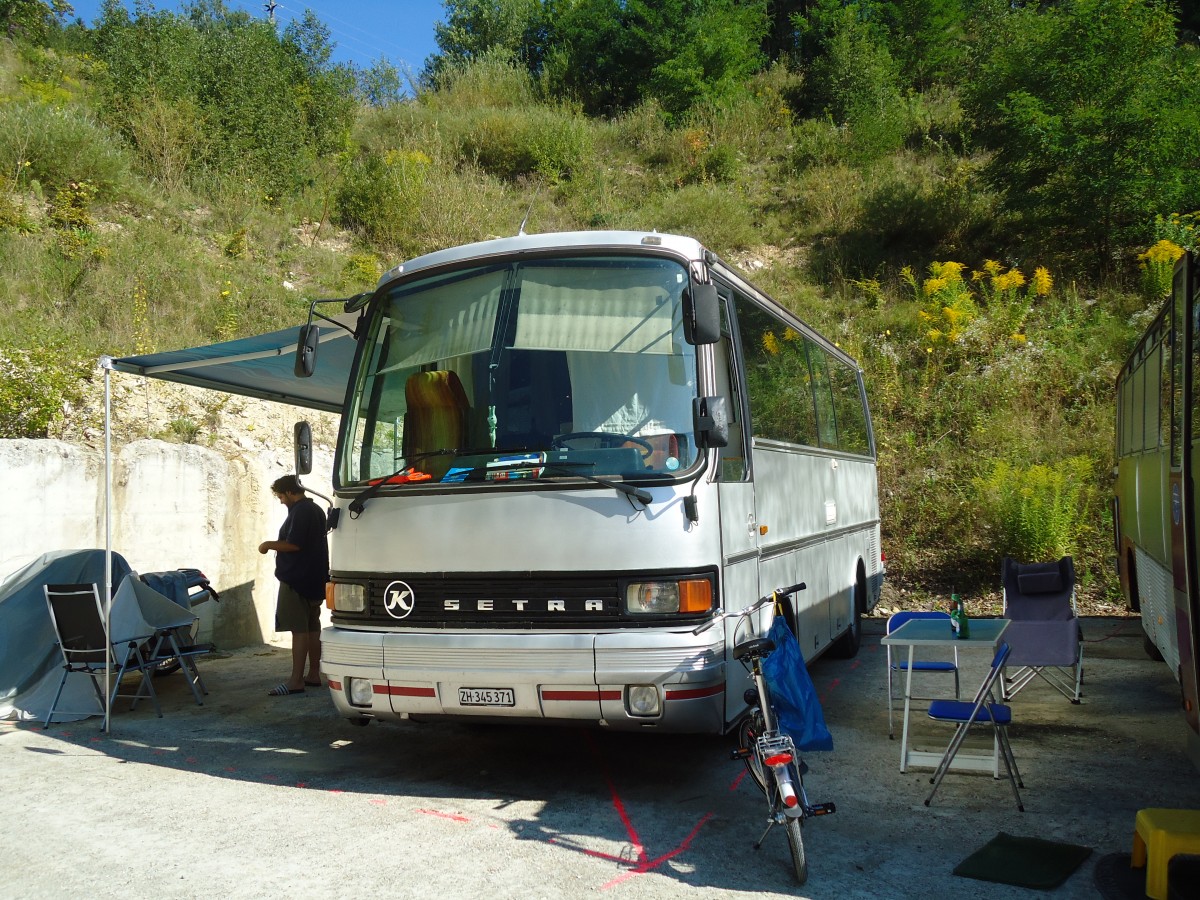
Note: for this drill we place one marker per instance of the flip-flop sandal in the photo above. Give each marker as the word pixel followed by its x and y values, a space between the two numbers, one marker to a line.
pixel 282 690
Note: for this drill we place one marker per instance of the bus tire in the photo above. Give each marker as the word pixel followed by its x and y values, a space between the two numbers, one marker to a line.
pixel 1151 648
pixel 846 646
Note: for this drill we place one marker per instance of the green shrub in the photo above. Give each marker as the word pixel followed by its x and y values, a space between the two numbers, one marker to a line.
pixel 57 146
pixel 361 270
pixel 492 80
pixel 511 143
pixel 1039 512
pixel 35 383
pixel 381 193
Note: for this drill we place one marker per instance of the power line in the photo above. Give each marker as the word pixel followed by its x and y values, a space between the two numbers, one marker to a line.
pixel 343 36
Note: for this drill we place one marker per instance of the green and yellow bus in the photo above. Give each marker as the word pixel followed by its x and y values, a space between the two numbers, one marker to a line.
pixel 1154 503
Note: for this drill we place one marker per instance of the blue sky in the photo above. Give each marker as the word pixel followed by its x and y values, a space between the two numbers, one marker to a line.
pixel 364 30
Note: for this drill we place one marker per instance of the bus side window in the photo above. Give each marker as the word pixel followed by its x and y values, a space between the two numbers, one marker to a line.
pixel 818 362
pixel 779 381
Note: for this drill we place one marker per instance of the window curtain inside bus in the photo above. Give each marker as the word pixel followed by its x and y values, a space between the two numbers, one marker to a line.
pixel 642 395
pixel 454 318
pixel 614 310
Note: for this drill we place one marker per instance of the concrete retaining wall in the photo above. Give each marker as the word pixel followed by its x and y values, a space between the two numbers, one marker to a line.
pixel 173 506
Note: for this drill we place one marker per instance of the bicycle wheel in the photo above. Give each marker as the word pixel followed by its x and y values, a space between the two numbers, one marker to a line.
pixel 748 731
pixel 795 836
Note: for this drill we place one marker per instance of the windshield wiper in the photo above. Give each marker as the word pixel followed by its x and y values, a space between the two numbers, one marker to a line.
pixel 357 504
pixel 625 488
pixel 565 468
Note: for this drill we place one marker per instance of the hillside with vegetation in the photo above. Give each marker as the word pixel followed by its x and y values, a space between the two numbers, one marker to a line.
pixel 979 200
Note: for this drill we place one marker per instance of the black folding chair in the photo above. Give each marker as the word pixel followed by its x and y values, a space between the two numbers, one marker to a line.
pixel 78 621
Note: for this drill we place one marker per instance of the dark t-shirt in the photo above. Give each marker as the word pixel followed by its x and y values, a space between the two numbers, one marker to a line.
pixel 307 570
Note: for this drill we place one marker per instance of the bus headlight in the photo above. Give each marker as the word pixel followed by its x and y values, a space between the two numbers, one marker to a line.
pixel 641 700
pixel 655 598
pixel 359 691
pixel 348 597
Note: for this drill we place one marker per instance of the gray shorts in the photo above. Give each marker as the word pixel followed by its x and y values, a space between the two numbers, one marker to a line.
pixel 294 613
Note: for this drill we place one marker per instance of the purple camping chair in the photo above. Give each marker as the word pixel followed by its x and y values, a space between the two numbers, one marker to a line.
pixel 1045 636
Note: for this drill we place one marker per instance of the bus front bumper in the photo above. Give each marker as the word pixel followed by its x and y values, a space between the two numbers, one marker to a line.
pixel 643 680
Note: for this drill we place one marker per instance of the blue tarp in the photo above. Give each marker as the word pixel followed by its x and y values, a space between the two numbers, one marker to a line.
pixel 260 366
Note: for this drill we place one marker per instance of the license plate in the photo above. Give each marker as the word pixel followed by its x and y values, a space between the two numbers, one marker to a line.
pixel 486 697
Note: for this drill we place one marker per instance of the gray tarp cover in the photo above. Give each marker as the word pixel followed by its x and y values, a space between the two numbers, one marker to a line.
pixel 259 366
pixel 30 662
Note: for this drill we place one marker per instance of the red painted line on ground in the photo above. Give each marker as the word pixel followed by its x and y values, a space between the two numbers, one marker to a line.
pixel 301 784
pixel 453 817
pixel 644 864
pixel 856 664
pixel 737 781
pixel 595 853
pixel 655 863
pixel 378 801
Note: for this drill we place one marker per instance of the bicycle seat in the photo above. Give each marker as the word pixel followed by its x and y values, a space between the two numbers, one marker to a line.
pixel 759 647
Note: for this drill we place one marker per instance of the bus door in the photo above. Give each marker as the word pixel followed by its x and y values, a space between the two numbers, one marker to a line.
pixel 739 525
pixel 1183 488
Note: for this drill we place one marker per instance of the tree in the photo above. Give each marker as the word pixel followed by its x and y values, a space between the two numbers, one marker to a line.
pixel 474 28
pixel 611 54
pixel 244 100
pixel 32 20
pixel 1090 113
pixel 380 85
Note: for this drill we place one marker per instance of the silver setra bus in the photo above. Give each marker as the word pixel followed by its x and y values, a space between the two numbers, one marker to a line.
pixel 559 455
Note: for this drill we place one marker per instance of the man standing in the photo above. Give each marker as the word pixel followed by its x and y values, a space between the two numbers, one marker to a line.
pixel 302 567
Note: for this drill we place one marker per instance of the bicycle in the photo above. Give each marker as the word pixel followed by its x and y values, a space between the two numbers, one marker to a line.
pixel 763 746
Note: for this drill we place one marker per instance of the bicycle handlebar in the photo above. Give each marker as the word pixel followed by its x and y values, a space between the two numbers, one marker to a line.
pixel 753 607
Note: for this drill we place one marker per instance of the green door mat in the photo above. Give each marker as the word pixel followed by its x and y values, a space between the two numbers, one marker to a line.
pixel 1023 861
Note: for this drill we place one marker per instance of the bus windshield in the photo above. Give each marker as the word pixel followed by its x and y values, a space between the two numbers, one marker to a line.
pixel 535 369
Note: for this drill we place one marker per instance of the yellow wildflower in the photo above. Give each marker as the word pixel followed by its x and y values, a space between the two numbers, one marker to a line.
pixel 933 285
pixel 791 335
pixel 1009 280
pixel 1163 252
pixel 770 343
pixel 992 267
pixel 1042 282
pixel 1019 338
pixel 951 271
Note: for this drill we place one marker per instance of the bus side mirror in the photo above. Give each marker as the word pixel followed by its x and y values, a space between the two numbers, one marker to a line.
pixel 701 314
pixel 710 422
pixel 302 448
pixel 306 351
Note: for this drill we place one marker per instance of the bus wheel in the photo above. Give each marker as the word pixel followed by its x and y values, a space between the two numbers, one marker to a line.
pixel 846 647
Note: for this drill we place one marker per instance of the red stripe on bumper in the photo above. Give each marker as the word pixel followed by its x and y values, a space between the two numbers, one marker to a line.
pixel 581 695
pixel 696 693
pixel 400 690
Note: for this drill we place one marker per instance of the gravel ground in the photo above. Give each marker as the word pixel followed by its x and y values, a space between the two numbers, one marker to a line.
pixel 250 796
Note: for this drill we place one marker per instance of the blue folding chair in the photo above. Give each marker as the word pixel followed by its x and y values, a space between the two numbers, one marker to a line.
pixel 899 662
pixel 984 708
